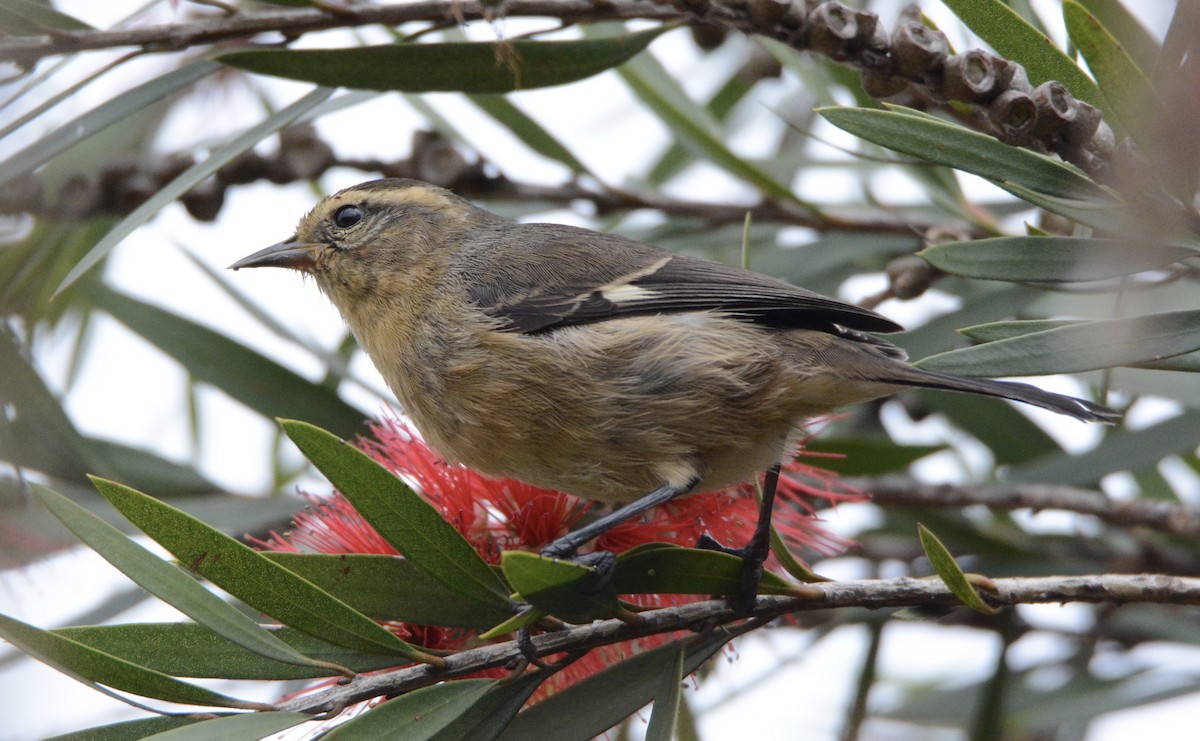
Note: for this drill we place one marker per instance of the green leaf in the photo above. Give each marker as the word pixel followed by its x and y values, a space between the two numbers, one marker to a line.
pixel 252 577
pixel 660 568
pixel 468 67
pixel 243 725
pixel 391 588
pixel 130 730
pixel 191 650
pixel 402 517
pixel 209 356
pixel 101 117
pixel 1078 347
pixel 486 718
pixel 949 572
pixel 1130 94
pixel 1014 38
pixel 529 131
pixel 666 702
pixel 27 18
pixel 576 714
pixel 944 143
pixel 1051 258
pixel 167 582
pixel 1133 37
pixel 995 331
pixel 562 588
pixel 1104 216
pixel 458 709
pixel 90 666
pixel 192 177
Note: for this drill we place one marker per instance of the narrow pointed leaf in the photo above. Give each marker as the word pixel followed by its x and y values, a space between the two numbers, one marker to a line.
pixel 1127 89
pixel 1129 32
pixel 949 572
pixel 994 331
pixel 391 588
pixel 241 372
pixel 529 131
pixel 241 726
pixel 1014 38
pixel 38 16
pixel 130 730
pixel 101 117
pixel 89 666
pixel 1079 347
pixel 1051 258
pixel 468 67
pixel 949 144
pixel 402 517
pixel 666 701
pixel 191 177
pixel 669 569
pixel 191 650
pixel 167 582
pixel 562 588
pixel 253 578
pixel 574 713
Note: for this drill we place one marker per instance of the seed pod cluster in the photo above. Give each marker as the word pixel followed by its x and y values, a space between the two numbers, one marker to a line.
pixel 913 65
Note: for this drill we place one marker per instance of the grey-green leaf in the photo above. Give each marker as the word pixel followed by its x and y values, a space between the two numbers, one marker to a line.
pixel 468 67
pixel 253 578
pixel 950 573
pixel 945 143
pixel 401 516
pixel 1014 38
pixel 167 582
pixel 1051 258
pixel 1078 347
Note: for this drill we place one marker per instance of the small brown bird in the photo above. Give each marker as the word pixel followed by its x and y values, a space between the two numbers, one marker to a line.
pixel 589 363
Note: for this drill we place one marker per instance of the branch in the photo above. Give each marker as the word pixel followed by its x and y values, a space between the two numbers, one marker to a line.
pixel 911 65
pixel 716 614
pixel 1167 517
pixel 25 50
pixel 117 188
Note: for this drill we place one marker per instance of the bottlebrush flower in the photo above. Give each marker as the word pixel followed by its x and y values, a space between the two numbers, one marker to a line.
pixel 499 515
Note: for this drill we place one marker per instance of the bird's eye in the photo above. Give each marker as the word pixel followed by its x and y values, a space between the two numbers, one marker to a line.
pixel 347 216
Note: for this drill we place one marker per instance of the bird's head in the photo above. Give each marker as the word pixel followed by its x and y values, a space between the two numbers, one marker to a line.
pixel 379 238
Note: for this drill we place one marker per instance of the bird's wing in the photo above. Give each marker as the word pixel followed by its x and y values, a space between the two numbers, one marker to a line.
pixel 549 282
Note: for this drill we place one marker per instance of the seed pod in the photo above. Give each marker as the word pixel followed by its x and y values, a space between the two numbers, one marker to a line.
pixel 1055 106
pixel 766 13
pixel 919 51
pixel 1014 115
pixel 302 153
pixel 909 276
pixel 971 77
pixel 204 201
pixel 707 36
pixel 832 28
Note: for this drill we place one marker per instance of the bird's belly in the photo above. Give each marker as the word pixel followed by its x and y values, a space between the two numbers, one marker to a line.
pixel 611 411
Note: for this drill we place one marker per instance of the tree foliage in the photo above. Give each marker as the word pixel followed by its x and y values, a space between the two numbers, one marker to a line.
pixel 1047 191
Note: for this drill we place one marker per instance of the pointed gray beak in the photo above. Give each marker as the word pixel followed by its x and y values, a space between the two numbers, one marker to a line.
pixel 286 254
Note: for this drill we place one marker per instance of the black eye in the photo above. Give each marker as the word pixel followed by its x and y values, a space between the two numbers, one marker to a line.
pixel 347 216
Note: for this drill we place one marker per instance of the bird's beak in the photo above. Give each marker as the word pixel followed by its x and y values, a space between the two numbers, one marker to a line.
pixel 289 253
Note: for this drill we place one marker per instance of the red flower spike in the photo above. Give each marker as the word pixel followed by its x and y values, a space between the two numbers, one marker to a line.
pixel 498 515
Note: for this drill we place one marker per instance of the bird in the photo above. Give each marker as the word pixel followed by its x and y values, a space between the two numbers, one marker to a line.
pixel 593 364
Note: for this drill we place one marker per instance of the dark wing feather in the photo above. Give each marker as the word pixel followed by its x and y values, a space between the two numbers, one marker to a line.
pixel 547 281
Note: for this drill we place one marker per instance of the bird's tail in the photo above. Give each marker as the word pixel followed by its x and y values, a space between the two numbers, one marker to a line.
pixel 1078 408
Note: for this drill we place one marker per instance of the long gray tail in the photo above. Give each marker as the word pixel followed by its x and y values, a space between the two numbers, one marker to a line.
pixel 1078 408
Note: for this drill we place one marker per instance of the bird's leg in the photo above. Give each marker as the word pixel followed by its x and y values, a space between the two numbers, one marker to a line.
pixel 604 562
pixel 566 546
pixel 756 549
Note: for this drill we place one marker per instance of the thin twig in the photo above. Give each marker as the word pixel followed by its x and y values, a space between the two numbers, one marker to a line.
pixel 1164 516
pixel 717 615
